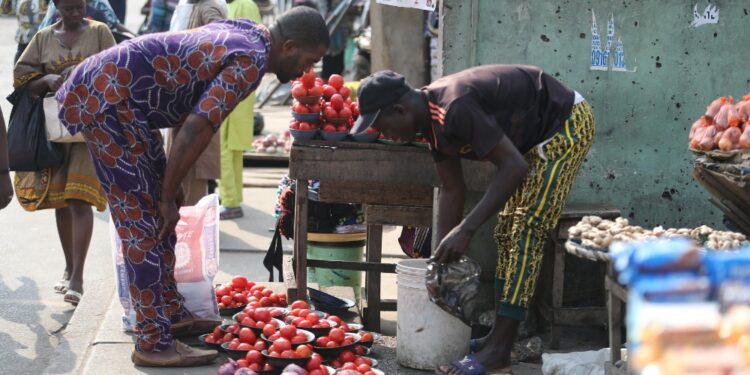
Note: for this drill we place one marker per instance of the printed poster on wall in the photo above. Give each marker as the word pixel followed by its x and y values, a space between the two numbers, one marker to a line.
pixel 418 4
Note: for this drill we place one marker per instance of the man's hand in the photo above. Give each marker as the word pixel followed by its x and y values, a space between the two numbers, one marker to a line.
pixel 6 190
pixel 53 81
pixel 170 215
pixel 453 246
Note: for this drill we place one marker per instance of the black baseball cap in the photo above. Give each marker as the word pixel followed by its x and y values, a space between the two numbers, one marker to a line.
pixel 376 92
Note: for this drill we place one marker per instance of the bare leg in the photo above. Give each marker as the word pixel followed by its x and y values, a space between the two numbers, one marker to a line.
pixel 65 232
pixel 82 227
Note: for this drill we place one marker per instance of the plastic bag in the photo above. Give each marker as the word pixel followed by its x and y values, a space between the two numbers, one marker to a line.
pixel 454 287
pixel 196 261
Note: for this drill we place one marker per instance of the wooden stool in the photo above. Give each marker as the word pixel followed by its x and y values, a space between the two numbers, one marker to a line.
pixel 557 315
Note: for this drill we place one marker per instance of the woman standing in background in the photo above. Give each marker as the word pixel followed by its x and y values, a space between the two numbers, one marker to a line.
pixel 72 188
pixel 236 131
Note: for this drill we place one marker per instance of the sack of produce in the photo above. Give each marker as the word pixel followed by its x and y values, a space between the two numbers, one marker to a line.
pixel 196 261
pixel 454 287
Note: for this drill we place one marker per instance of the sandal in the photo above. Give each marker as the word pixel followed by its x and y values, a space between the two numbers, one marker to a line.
pixel 230 213
pixel 470 365
pixel 73 297
pixel 61 286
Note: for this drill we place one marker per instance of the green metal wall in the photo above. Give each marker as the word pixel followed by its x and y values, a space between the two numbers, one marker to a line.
pixel 639 160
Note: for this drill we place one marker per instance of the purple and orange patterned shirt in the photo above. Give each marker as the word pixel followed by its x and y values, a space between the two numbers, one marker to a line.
pixel 167 76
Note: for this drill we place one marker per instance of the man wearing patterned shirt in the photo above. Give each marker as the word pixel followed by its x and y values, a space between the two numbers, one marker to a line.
pixel 120 98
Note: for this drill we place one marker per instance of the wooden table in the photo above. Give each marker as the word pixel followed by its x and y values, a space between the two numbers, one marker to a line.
pixel 396 183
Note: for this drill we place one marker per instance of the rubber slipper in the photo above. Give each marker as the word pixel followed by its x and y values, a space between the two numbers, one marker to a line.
pixel 474 346
pixel 61 286
pixel 73 297
pixel 468 365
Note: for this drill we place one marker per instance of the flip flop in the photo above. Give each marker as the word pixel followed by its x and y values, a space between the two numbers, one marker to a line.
pixel 474 346
pixel 73 297
pixel 61 286
pixel 470 365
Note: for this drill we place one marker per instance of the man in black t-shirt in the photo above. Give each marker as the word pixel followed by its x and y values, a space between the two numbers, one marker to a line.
pixel 534 129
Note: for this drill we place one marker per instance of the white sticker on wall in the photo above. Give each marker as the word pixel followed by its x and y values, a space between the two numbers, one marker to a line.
pixel 600 55
pixel 709 16
pixel 418 4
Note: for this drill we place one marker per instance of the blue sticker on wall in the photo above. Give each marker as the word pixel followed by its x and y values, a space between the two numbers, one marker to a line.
pixel 600 54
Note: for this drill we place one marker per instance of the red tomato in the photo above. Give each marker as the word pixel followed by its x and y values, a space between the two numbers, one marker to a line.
pixel 244 346
pixel 328 91
pixel 342 129
pixel 363 368
pixel 247 335
pixel 239 282
pixel 263 315
pixel 303 351
pixel 318 81
pixel 253 356
pixel 228 337
pixel 260 325
pixel 314 362
pixel 274 354
pixel 240 298
pixel 349 366
pixel 287 354
pixel 337 102
pixel 260 346
pixel 222 291
pixel 315 372
pixel 241 363
pixel 304 324
pixel 315 91
pixel 330 113
pixel 312 318
pixel 299 339
pixel 366 336
pixel 248 322
pixel 226 300
pixel 336 334
pixel 298 91
pixel 299 108
pixel 303 126
pixel 332 344
pixel 345 92
pixel 210 339
pixel 315 108
pixel 241 316
pixel 299 304
pixel 370 373
pixel 347 356
pixel 254 366
pixel 295 125
pixel 345 113
pixel 336 81
pixel 308 79
pixel 268 330
pixel 282 344
pixel 267 367
pixel 265 302
pixel 288 331
pixel 335 319
pixel 371 130
pixel 322 341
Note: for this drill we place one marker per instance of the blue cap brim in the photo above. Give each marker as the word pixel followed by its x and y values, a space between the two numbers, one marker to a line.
pixel 363 122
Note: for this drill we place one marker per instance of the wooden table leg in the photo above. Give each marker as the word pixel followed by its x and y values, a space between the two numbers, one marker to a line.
pixel 372 279
pixel 558 282
pixel 615 320
pixel 300 238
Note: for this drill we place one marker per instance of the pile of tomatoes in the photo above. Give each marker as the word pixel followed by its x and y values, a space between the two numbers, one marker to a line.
pixel 219 336
pixel 348 360
pixel 258 317
pixel 336 338
pixel 240 292
pixel 288 333
pixel 254 361
pixel 246 340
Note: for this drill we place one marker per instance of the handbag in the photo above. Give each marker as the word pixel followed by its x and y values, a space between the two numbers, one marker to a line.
pixel 29 149
pixel 275 255
pixel 56 131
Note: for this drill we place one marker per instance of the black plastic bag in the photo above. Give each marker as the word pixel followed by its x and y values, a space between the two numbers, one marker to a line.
pixel 28 147
pixel 454 287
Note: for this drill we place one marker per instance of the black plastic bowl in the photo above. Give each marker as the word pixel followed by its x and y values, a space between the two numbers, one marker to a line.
pixel 369 344
pixel 283 362
pixel 330 353
pixel 231 311
pixel 329 303
pixel 234 353
pixel 214 346
pixel 310 339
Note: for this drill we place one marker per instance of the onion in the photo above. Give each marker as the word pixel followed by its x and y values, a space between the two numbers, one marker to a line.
pixel 294 370
pixel 227 368
pixel 271 150
pixel 245 371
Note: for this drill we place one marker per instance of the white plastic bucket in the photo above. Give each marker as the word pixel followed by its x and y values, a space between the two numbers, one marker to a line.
pixel 427 336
